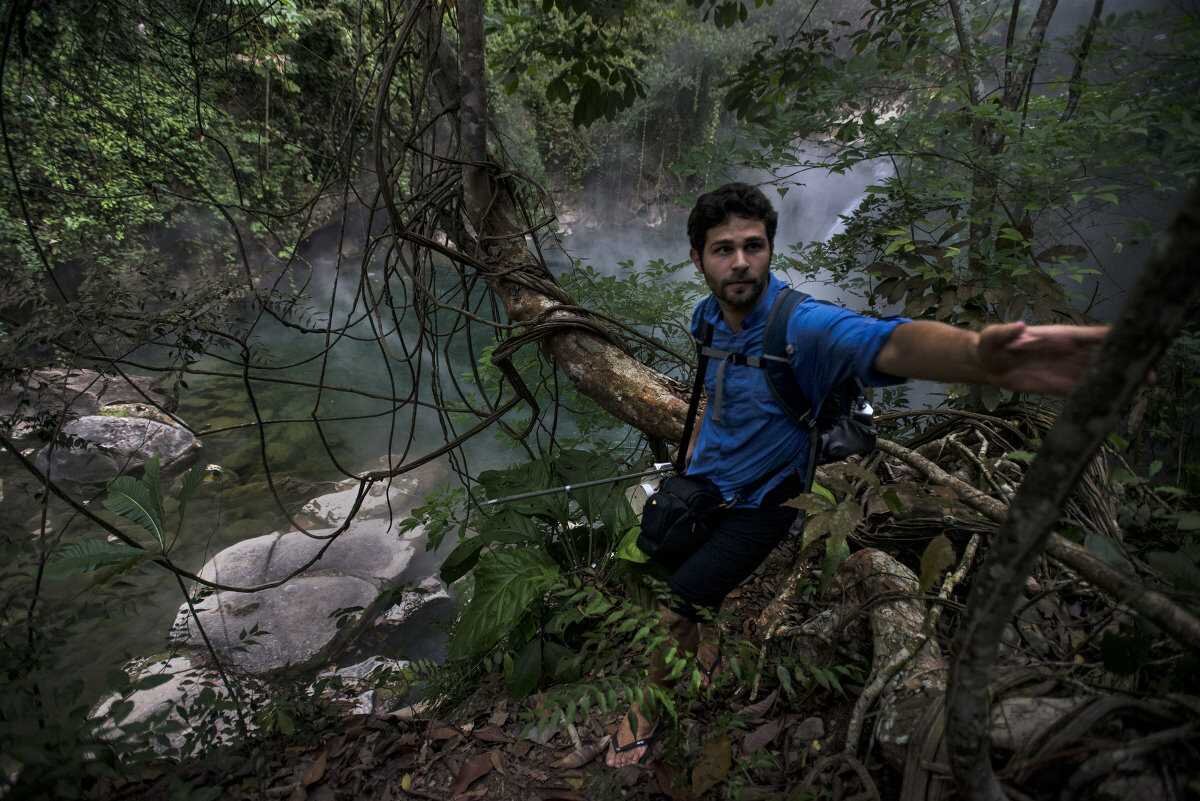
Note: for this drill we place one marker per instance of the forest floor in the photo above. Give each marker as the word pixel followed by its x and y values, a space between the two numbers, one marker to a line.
pixel 486 747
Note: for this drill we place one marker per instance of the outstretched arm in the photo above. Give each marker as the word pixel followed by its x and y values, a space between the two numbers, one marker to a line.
pixel 1049 359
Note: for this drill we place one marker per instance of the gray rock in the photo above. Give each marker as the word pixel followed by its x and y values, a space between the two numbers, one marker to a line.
pixel 95 449
pixel 144 716
pixel 402 494
pixel 428 591
pixel 809 729
pixel 366 551
pixel 363 670
pixel 296 625
pixel 78 392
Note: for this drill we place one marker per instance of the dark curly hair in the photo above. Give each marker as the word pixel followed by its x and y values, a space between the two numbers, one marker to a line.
pixel 741 200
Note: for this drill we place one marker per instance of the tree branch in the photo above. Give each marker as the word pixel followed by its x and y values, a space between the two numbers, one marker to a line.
pixel 1076 83
pixel 1154 606
pixel 1153 316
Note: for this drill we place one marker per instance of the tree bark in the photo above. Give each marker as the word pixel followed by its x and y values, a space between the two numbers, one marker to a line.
pixel 1155 313
pixel 619 383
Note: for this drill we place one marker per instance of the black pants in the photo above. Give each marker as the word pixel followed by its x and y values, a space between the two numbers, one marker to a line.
pixel 740 541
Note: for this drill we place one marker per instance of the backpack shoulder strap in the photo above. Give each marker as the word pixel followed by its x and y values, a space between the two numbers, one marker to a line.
pixel 777 363
pixel 703 341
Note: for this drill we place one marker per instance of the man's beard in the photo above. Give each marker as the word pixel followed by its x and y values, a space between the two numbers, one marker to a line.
pixel 749 297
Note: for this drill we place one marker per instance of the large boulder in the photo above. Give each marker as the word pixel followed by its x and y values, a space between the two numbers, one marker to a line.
pixel 296 625
pixel 362 551
pixel 148 715
pixel 77 392
pixel 307 619
pixel 97 448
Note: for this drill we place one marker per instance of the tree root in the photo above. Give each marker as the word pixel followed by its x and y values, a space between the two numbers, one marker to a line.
pixel 1154 606
pixel 1032 718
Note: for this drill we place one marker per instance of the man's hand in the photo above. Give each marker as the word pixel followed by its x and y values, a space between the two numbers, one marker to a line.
pixel 1050 359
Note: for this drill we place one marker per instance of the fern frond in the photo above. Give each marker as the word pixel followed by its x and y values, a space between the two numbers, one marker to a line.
pixel 130 499
pixel 88 555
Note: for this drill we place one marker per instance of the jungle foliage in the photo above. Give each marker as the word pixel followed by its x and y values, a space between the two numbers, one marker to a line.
pixel 168 164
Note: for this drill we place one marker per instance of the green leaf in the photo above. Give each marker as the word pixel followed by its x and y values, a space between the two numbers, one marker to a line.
pixel 526 669
pixel 152 481
pixel 1188 521
pixel 130 499
pixel 89 555
pixel 819 489
pixel 460 561
pixel 938 556
pixel 836 552
pixel 506 583
pixel 629 550
pixel 1019 456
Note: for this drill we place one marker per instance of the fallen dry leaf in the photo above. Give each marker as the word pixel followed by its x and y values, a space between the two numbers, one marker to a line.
pixel 712 767
pixel 443 732
pixel 497 762
pixel 475 768
pixel 521 748
pixel 577 759
pixel 762 736
pixel 316 771
pixel 499 714
pixel 668 784
pixel 758 711
pixel 492 734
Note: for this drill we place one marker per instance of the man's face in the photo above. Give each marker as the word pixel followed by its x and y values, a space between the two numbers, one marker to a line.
pixel 736 262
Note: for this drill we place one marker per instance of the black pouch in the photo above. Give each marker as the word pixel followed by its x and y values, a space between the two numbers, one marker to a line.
pixel 677 519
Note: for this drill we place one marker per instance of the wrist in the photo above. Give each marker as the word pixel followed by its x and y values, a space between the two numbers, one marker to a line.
pixel 973 359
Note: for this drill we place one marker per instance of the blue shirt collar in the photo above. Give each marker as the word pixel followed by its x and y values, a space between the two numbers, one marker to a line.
pixel 712 309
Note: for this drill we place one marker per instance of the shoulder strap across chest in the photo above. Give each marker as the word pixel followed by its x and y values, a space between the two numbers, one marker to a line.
pixel 776 353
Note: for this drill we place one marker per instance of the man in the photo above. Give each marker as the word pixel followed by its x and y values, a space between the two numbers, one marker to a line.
pixel 748 444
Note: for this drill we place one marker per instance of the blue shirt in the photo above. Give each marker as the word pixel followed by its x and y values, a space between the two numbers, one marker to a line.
pixel 750 434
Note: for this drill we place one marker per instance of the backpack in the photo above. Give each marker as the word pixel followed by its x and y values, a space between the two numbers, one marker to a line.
pixel 840 425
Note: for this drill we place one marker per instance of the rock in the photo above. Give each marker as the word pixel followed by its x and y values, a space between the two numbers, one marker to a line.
pixel 809 729
pixel 95 449
pixel 143 410
pixel 77 392
pixel 153 711
pixel 300 615
pixel 364 551
pixel 430 590
pixel 364 669
pixel 403 493
pixel 295 625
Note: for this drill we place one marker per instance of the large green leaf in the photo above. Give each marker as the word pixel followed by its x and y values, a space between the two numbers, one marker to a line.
pixel 576 467
pixel 506 583
pixel 526 669
pixel 152 481
pixel 629 550
pixel 506 527
pixel 130 499
pixel 527 477
pixel 88 555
